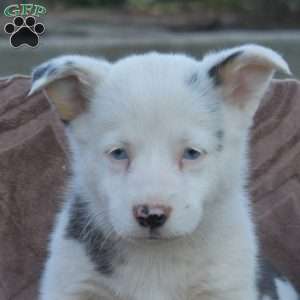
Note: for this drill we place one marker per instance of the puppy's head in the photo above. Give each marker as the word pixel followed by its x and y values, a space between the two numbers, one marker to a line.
pixel 157 137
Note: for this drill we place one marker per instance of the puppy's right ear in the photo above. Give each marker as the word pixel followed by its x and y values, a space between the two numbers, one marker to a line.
pixel 69 81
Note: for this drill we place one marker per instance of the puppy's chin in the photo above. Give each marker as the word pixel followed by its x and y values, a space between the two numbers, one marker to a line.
pixel 145 241
pixel 152 237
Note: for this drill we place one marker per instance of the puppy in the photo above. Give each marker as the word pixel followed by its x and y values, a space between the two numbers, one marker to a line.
pixel 157 208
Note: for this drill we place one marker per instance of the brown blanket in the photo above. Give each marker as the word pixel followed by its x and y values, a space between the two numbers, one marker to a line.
pixel 275 176
pixel 33 168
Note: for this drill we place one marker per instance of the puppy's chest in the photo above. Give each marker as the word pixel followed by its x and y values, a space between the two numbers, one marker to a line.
pixel 155 276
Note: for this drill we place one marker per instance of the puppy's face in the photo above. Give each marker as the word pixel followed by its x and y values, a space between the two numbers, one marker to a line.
pixel 155 135
pixel 155 142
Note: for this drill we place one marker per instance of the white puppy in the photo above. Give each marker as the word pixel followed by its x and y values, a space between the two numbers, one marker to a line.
pixel 157 208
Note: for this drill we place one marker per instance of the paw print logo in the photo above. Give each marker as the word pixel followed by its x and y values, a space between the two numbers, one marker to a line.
pixel 24 32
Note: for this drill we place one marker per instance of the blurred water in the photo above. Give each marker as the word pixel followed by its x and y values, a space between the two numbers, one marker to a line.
pixel 114 43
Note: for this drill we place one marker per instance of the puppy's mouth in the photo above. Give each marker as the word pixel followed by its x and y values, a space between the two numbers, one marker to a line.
pixel 154 236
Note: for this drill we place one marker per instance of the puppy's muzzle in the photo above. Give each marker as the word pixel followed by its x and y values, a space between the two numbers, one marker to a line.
pixel 151 216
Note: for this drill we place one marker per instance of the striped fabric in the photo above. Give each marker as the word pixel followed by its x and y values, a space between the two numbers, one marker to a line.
pixel 275 176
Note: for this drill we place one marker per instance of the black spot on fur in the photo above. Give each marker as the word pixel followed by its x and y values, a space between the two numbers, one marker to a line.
pixel 266 280
pixel 220 135
pixel 40 71
pixel 214 71
pixel 101 250
pixel 219 147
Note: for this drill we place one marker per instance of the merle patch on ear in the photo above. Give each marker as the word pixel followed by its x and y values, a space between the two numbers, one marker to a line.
pixel 40 71
pixel 69 81
pixel 69 63
pixel 213 72
pixel 243 74
pixel 52 71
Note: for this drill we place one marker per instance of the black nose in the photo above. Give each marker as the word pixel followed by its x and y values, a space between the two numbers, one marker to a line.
pixel 152 221
pixel 151 216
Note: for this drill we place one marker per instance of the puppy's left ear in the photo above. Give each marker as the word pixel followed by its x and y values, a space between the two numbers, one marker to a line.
pixel 69 81
pixel 244 73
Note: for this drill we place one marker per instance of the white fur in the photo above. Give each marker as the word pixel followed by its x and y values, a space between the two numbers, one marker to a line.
pixel 146 103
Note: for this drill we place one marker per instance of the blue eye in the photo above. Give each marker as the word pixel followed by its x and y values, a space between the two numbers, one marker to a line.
pixel 119 154
pixel 191 154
